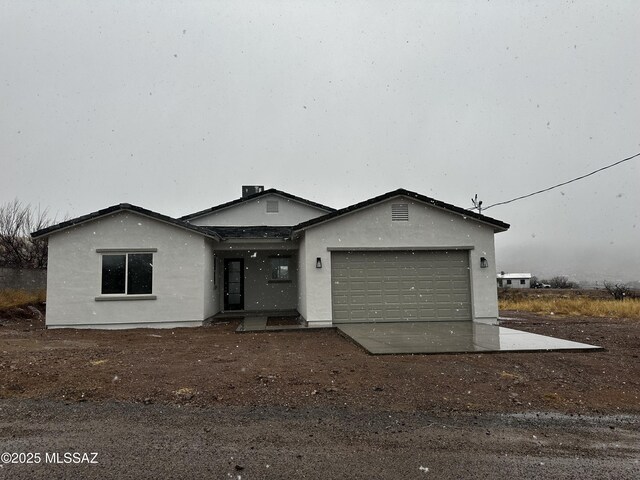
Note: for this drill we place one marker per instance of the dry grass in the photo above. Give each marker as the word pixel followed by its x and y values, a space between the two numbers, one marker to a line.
pixel 576 306
pixel 20 298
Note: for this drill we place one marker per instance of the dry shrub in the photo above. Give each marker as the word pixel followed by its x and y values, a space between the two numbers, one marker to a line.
pixel 20 298
pixel 513 294
pixel 576 306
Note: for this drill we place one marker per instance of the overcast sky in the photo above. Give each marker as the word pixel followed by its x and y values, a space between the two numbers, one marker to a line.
pixel 174 105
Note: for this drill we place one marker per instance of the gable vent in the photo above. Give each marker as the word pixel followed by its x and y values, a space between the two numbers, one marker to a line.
pixel 272 206
pixel 400 212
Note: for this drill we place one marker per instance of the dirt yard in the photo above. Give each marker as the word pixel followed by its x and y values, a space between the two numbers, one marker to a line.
pixel 214 366
pixel 210 403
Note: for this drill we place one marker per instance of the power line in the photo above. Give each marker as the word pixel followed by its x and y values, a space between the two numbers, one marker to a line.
pixel 561 184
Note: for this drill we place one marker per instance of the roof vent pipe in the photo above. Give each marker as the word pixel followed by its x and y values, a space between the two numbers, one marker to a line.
pixel 248 190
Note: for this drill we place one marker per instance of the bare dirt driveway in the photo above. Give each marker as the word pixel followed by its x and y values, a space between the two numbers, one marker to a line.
pixel 208 403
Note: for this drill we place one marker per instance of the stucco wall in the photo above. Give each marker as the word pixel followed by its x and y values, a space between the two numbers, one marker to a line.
pixel 74 274
pixel 302 285
pixel 372 228
pixel 254 212
pixel 211 286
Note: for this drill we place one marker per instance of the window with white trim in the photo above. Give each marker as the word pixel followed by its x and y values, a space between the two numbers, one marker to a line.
pixel 127 273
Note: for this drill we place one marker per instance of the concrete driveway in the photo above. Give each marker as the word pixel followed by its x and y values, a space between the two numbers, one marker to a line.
pixel 450 337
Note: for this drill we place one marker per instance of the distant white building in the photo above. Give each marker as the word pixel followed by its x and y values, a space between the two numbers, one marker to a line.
pixel 514 280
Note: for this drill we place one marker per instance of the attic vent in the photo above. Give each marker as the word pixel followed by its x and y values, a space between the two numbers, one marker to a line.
pixel 272 206
pixel 400 212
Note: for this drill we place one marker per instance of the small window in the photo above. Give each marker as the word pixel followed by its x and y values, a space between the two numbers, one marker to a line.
pixel 279 268
pixel 508 282
pixel 400 212
pixel 272 206
pixel 127 273
pixel 522 282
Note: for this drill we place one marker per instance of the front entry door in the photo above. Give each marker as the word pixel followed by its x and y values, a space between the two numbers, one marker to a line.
pixel 234 284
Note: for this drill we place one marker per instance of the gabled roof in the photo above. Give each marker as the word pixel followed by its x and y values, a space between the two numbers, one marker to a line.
pixel 496 224
pixel 123 207
pixel 270 191
pixel 269 232
pixel 251 232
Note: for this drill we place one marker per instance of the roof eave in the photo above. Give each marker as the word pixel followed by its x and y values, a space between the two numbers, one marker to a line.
pixel 497 225
pixel 270 191
pixel 45 232
pixel 235 240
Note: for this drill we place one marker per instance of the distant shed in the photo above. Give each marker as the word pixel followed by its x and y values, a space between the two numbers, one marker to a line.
pixel 514 280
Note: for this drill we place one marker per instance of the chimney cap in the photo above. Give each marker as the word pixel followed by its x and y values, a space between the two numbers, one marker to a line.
pixel 248 190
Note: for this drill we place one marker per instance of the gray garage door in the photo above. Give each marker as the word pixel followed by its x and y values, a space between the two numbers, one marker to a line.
pixel 397 286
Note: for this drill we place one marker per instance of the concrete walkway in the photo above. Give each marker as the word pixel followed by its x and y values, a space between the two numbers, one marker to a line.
pixel 260 324
pixel 252 324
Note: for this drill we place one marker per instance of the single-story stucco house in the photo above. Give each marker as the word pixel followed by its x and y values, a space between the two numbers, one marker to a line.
pixel 396 257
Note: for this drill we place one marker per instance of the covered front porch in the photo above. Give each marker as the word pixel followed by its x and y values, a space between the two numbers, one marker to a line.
pixel 256 278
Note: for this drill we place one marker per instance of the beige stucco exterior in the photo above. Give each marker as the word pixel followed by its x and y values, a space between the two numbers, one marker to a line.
pixel 372 228
pixel 212 289
pixel 180 278
pixel 254 212
pixel 188 275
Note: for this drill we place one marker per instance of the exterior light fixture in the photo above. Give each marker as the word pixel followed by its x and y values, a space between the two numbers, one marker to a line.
pixel 318 262
pixel 483 262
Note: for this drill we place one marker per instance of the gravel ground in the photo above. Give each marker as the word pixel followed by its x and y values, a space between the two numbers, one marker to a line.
pixel 135 441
